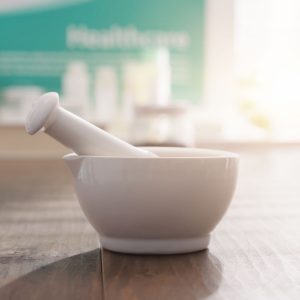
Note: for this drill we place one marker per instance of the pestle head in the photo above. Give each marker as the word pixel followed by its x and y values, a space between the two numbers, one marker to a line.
pixel 41 111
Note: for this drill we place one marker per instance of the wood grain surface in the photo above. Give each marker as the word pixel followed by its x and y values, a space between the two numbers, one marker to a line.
pixel 49 251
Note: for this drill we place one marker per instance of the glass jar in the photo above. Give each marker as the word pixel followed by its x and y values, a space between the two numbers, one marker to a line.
pixel 168 125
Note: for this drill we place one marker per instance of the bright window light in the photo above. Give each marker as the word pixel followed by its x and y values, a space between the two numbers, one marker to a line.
pixel 267 40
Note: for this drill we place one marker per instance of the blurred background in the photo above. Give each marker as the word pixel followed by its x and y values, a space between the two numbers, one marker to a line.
pixel 181 73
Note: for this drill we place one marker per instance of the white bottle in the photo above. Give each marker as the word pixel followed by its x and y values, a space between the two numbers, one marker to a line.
pixel 75 88
pixel 105 94
pixel 162 78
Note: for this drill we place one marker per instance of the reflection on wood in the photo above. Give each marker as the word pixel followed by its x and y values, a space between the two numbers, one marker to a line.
pixel 187 276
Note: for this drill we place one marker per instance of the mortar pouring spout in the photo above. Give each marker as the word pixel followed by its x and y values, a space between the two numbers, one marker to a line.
pixel 74 163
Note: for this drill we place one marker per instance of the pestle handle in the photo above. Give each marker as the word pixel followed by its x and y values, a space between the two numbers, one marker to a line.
pixel 74 132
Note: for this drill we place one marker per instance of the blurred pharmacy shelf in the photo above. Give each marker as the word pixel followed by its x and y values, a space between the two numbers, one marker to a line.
pixel 15 143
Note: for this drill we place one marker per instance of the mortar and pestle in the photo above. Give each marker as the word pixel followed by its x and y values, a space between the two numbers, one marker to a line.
pixel 155 200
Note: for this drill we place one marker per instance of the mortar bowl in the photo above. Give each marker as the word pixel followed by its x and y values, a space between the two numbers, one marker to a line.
pixel 163 205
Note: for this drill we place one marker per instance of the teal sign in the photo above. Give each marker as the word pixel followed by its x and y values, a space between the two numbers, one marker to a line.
pixel 39 39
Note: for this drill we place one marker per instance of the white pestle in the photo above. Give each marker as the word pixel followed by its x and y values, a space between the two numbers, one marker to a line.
pixel 74 132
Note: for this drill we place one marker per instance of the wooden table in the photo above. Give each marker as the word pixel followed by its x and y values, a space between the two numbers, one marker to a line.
pixel 49 251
